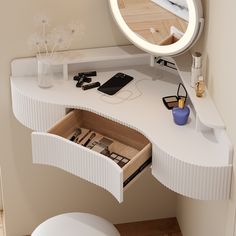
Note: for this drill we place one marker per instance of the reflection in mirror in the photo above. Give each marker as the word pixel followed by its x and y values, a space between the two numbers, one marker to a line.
pixel 160 22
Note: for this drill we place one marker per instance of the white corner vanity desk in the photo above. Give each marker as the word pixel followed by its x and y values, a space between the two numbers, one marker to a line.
pixel 194 160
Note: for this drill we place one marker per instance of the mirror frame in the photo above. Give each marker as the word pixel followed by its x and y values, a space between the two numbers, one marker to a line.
pixel 191 35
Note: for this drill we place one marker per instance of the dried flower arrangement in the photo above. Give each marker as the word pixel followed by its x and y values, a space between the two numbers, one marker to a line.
pixel 49 41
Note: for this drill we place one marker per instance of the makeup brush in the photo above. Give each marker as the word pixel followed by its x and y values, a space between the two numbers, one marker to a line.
pixel 89 139
pixel 77 132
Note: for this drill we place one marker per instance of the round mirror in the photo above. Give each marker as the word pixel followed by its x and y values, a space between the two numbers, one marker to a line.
pixel 160 27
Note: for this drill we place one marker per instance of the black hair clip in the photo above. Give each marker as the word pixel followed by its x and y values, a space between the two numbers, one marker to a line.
pixel 172 101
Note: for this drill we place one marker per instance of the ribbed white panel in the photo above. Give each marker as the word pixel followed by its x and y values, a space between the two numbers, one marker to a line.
pixel 55 151
pixel 35 114
pixel 198 182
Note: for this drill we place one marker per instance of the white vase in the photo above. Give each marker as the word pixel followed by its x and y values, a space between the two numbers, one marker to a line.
pixel 45 74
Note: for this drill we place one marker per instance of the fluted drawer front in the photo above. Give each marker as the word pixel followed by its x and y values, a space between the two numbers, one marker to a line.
pixel 198 182
pixel 35 114
pixel 55 151
pixel 55 148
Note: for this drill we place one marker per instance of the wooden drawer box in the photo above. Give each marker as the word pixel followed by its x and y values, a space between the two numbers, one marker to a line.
pixel 56 149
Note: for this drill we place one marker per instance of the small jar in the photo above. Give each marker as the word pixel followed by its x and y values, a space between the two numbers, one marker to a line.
pixel 200 87
pixel 181 113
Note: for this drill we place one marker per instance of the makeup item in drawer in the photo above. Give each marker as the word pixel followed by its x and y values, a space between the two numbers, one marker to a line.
pixel 97 148
pixel 78 134
pixel 91 137
pixel 100 144
pixel 101 141
pixel 75 134
pixel 87 140
pixel 83 135
pixel 120 160
pixel 105 142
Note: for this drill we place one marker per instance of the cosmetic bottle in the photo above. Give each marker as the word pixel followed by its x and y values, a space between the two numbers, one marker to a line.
pixel 200 87
pixel 196 68
pixel 181 113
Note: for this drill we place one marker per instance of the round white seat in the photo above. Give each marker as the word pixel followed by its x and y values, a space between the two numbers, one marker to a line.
pixel 75 224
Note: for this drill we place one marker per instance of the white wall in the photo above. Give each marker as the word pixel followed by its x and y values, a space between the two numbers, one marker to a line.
pixel 218 45
pixel 33 193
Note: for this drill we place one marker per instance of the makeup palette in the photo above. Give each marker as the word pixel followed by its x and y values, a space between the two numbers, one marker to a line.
pixel 172 101
pixel 113 149
pixel 120 160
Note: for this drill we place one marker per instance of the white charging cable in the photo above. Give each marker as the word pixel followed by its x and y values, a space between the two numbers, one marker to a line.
pixel 117 99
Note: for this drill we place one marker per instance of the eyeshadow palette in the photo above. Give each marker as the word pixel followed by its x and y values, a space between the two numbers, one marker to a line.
pixel 172 101
pixel 120 160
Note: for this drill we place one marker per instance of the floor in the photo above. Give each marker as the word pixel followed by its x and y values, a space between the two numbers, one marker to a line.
pixel 141 15
pixel 162 227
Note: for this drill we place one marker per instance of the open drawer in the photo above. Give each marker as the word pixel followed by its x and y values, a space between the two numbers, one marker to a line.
pixel 94 148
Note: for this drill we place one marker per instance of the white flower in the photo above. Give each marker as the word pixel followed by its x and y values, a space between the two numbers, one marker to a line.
pixel 41 20
pixel 35 40
pixel 50 41
pixel 60 38
pixel 75 29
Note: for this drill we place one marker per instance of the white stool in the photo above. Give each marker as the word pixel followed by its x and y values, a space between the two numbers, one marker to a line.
pixel 76 224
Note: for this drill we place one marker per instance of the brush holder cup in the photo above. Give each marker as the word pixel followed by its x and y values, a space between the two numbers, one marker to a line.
pixel 45 74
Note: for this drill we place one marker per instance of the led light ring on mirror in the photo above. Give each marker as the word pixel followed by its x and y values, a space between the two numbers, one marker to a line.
pixel 186 41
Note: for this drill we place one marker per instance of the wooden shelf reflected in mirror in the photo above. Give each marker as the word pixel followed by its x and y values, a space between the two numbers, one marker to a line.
pixel 150 21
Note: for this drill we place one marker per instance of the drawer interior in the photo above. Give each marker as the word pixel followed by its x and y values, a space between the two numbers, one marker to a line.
pixel 128 148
